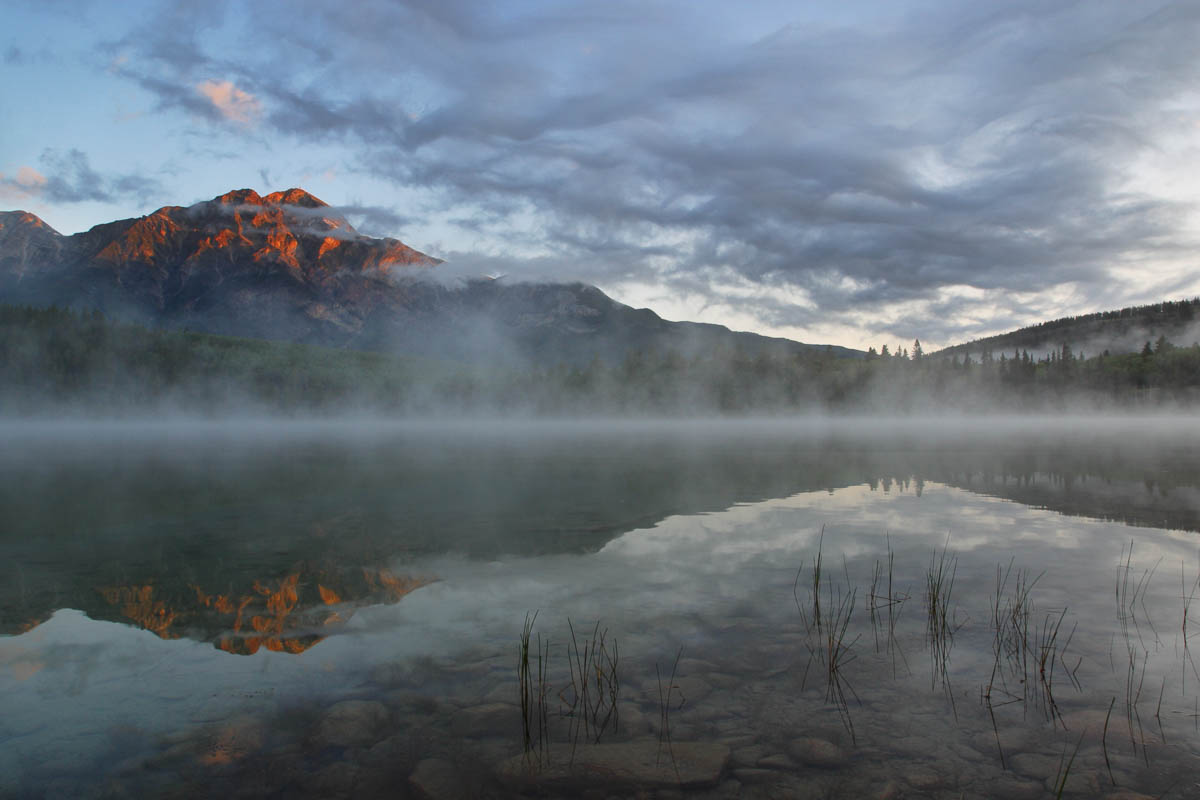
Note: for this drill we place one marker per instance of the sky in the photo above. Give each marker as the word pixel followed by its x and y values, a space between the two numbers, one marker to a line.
pixel 857 173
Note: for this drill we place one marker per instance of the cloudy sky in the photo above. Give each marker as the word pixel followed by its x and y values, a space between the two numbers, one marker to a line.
pixel 854 172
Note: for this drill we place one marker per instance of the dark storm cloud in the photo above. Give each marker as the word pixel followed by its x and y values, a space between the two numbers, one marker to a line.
pixel 970 145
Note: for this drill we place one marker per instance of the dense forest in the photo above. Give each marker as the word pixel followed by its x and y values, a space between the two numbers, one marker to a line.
pixel 54 361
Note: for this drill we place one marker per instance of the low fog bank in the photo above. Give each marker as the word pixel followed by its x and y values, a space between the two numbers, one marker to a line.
pixel 57 364
pixel 944 428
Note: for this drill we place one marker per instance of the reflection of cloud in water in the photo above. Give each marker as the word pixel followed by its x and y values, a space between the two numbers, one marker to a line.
pixel 667 582
pixel 855 519
pixel 708 564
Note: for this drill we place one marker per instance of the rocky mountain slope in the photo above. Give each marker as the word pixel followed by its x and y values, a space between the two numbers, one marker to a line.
pixel 287 266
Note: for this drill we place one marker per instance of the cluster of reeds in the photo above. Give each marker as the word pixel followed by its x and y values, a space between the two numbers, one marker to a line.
pixel 1027 655
pixel 1137 657
pixel 1032 645
pixel 1188 595
pixel 590 700
pixel 665 704
pixel 810 611
pixel 836 653
pixel 1031 655
pixel 940 621
pixel 1012 610
pixel 884 605
pixel 1049 653
pixel 827 627
pixel 1065 764
pixel 533 688
pixel 1130 595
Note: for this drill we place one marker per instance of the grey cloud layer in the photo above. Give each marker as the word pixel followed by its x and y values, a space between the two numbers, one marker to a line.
pixel 971 144
pixel 69 178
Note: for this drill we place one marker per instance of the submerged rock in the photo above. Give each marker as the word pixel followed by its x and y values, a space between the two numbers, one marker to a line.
pixel 817 753
pixel 352 723
pixel 338 780
pixel 437 779
pixel 487 719
pixel 1036 765
pixel 626 765
pixel 776 761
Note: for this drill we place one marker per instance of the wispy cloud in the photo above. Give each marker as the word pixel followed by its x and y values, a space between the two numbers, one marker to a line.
pixel 69 178
pixel 231 102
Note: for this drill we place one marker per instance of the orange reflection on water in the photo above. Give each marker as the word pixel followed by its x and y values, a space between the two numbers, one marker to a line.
pixel 25 669
pixel 231 743
pixel 138 604
pixel 278 615
pixel 249 645
pixel 392 585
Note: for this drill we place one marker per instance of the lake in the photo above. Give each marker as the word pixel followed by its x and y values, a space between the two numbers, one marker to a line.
pixel 989 607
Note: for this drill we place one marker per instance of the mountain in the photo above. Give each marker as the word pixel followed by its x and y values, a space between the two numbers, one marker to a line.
pixel 26 243
pixel 1124 330
pixel 287 266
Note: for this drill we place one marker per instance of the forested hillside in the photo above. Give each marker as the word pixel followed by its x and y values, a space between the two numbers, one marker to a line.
pixel 54 361
pixel 1124 330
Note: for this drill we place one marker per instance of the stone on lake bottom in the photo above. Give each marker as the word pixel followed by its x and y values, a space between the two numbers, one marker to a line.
pixel 1085 782
pixel 817 753
pixel 437 779
pixel 487 719
pixel 1035 765
pixel 622 765
pixel 352 723
pixel 338 780
pixel 776 761
pixel 923 778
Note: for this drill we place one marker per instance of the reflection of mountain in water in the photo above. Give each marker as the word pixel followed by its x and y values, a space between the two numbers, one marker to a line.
pixel 268 543
pixel 288 615
pixel 1130 490
pixel 1153 484
pixel 176 536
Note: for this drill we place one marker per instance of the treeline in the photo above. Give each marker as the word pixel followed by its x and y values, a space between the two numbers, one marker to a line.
pixel 1161 374
pixel 1170 318
pixel 55 361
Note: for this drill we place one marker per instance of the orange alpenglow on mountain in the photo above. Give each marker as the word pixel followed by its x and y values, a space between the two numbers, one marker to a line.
pixel 283 227
pixel 283 266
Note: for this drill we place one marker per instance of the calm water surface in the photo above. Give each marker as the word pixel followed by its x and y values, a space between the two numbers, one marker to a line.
pixel 335 609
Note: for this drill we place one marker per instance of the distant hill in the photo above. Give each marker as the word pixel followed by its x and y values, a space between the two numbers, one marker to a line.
pixel 286 266
pixel 1125 330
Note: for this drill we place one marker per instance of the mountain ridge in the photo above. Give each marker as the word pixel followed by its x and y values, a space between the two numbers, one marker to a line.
pixel 287 266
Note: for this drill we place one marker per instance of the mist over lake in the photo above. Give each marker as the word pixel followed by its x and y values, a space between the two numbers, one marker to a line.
pixel 305 608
